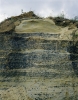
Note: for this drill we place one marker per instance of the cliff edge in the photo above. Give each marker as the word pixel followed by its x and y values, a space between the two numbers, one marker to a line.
pixel 38 58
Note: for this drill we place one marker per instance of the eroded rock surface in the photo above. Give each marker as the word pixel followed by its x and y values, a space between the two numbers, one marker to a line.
pixel 39 61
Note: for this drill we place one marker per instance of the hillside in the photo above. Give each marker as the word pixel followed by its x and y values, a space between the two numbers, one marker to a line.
pixel 38 58
pixel 29 22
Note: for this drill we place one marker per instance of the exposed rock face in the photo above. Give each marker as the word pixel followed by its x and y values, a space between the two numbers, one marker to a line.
pixel 39 61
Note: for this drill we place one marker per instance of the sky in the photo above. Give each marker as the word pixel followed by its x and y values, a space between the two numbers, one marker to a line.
pixel 43 8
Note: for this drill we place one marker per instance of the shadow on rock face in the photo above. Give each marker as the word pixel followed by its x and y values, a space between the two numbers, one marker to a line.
pixel 74 57
pixel 16 60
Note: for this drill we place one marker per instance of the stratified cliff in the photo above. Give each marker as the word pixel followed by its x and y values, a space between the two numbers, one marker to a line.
pixel 38 58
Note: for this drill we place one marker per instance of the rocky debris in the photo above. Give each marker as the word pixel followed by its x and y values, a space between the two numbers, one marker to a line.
pixel 65 22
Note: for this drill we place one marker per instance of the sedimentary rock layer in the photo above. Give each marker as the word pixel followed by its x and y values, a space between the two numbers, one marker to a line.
pixel 44 66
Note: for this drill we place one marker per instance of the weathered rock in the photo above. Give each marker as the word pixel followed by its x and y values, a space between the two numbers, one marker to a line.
pixel 40 58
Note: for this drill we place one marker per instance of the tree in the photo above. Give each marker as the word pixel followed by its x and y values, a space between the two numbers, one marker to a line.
pixel 62 15
pixel 76 18
pixel 22 11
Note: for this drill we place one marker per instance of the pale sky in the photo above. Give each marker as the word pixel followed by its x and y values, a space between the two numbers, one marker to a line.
pixel 42 8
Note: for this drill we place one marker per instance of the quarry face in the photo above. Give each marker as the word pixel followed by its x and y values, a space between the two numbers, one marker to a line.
pixel 39 61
